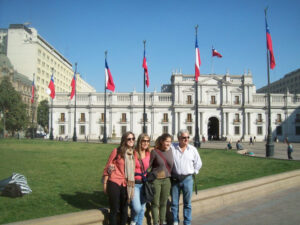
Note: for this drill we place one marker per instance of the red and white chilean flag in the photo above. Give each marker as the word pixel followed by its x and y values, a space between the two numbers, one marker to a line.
pixel 198 61
pixel 270 47
pixel 51 88
pixel 73 85
pixel 32 91
pixel 146 69
pixel 215 53
pixel 109 82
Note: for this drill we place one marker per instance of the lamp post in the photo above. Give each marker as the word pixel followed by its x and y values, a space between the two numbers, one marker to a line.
pixel 74 134
pixel 51 122
pixel 270 143
pixel 144 114
pixel 32 113
pixel 104 140
pixel 197 143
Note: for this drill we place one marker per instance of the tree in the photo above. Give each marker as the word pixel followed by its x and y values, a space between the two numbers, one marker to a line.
pixel 43 114
pixel 12 107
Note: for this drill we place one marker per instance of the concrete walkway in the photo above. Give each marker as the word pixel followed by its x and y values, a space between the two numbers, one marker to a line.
pixel 281 208
pixel 259 148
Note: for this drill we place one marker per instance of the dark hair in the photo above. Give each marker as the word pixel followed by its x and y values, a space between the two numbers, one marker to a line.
pixel 161 139
pixel 139 144
pixel 123 145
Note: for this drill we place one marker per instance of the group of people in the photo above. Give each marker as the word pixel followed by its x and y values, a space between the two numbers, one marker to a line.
pixel 173 166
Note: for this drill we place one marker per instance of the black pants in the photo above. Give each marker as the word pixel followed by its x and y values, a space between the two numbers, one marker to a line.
pixel 117 202
pixel 289 154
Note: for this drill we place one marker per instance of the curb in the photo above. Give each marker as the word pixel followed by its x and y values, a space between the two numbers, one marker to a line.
pixel 204 202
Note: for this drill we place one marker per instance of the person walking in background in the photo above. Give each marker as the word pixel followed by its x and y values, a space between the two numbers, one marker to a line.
pixel 251 141
pixel 289 149
pixel 187 162
pixel 161 162
pixel 142 160
pixel 118 179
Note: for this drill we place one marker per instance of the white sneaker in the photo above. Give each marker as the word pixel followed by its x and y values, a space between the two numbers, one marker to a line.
pixel 132 223
pixel 175 223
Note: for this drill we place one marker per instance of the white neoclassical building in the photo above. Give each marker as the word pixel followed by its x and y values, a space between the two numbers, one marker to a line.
pixel 228 107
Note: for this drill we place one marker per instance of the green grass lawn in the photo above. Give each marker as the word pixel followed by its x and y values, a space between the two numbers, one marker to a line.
pixel 66 176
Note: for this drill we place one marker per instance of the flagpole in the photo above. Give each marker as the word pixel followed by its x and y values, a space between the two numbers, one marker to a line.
pixel 74 134
pixel 104 132
pixel 144 115
pixel 32 111
pixel 51 129
pixel 197 143
pixel 269 144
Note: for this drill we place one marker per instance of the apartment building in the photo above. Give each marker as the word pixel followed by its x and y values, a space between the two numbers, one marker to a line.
pixel 31 54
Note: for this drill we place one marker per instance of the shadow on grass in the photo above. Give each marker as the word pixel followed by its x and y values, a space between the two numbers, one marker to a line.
pixel 86 201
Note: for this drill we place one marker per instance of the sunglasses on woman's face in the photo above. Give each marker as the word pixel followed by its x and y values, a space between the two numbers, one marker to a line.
pixel 148 141
pixel 131 139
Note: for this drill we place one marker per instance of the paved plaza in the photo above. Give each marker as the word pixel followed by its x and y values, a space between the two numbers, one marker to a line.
pixel 259 148
pixel 281 208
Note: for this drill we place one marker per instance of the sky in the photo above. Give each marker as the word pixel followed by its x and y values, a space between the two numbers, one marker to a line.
pixel 83 30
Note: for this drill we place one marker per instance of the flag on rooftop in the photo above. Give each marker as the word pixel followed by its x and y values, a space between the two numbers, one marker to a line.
pixel 216 53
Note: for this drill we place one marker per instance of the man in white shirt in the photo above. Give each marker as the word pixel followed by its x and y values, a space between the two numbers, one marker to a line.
pixel 187 162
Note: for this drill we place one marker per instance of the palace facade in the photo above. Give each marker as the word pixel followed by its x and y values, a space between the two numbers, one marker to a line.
pixel 228 107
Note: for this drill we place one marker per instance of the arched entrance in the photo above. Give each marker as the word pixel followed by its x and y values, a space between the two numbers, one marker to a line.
pixel 213 128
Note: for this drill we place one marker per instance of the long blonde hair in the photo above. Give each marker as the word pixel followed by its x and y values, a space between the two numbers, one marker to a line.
pixel 138 146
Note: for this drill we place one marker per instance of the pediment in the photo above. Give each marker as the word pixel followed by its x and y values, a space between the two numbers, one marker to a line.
pixel 213 80
pixel 236 90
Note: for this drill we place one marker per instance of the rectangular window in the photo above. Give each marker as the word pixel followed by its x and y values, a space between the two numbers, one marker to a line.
pixel 297 130
pixel 213 100
pixel 82 130
pixel 102 117
pixel 61 129
pixel 236 130
pixel 82 117
pixel 259 117
pixel 189 99
pixel 278 120
pixel 237 100
pixel 123 129
pixel 165 119
pixel 165 129
pixel 259 130
pixel 190 129
pixel 237 118
pixel 279 130
pixel 123 119
pixel 62 117
pixel 297 117
pixel 189 118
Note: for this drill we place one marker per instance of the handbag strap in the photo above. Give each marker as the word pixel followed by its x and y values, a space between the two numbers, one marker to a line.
pixel 162 156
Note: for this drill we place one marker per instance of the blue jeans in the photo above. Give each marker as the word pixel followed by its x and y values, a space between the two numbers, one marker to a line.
pixel 138 204
pixel 186 186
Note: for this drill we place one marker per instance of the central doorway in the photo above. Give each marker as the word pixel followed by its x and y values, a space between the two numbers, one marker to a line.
pixel 213 128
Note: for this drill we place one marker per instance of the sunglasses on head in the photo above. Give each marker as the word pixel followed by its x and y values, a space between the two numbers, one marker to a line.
pixel 131 139
pixel 185 137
